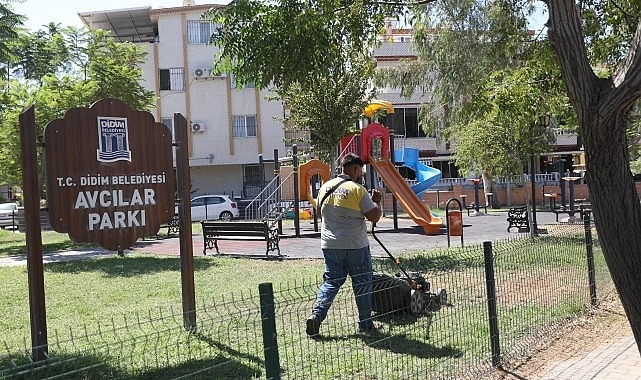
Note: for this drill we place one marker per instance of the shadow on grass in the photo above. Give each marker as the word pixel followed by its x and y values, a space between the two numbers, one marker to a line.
pixel 400 344
pixel 397 343
pixel 17 247
pixel 218 367
pixel 227 349
pixel 426 264
pixel 125 267
pixel 67 365
pixel 90 366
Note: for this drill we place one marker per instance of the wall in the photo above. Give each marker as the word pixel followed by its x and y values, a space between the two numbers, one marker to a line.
pixel 438 199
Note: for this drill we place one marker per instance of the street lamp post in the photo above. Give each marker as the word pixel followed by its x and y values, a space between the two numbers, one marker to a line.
pixel 544 122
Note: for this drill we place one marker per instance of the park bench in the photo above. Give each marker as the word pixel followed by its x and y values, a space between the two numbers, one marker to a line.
pixel 518 217
pixel 172 227
pixel 214 231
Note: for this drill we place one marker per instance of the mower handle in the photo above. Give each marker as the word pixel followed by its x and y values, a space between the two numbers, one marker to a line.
pixel 394 259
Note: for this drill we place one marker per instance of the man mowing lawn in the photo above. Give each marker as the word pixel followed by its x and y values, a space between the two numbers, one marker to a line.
pixel 345 205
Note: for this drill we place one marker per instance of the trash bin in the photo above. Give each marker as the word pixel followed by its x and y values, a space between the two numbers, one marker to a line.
pixel 455 223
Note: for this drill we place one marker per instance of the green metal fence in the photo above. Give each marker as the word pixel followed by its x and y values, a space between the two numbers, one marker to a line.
pixel 504 298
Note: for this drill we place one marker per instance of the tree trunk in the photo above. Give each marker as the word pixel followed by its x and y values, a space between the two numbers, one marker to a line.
pixel 603 107
pixel 617 213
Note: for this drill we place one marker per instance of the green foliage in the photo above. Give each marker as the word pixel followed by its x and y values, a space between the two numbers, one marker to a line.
pixel 328 106
pixel 9 22
pixel 489 82
pixel 40 53
pixel 72 68
pixel 114 67
pixel 609 26
pixel 285 42
pixel 316 55
pixel 501 130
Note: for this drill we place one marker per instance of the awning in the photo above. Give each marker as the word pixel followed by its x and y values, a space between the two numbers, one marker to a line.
pixel 126 25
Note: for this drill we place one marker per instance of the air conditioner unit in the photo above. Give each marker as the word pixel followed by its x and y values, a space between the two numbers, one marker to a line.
pixel 197 126
pixel 201 72
pixel 218 75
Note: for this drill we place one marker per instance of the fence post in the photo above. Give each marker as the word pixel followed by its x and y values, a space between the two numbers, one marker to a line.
pixel 270 343
pixel 590 253
pixel 491 303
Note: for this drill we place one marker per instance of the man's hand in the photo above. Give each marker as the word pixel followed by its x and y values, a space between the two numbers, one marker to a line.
pixel 376 196
pixel 374 214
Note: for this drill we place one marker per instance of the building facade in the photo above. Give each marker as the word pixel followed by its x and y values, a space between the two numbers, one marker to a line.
pixel 229 127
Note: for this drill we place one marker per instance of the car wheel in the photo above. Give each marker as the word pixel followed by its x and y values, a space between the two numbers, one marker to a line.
pixel 226 216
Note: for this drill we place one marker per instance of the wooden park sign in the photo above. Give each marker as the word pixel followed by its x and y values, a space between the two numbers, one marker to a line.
pixel 110 177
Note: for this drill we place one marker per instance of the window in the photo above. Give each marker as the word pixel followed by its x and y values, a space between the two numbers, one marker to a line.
pixel 404 121
pixel 202 201
pixel 169 123
pixel 199 32
pixel 251 181
pixel 172 79
pixel 245 126
pixel 234 85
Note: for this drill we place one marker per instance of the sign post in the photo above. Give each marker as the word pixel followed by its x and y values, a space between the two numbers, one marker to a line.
pixel 35 270
pixel 184 221
pixel 110 181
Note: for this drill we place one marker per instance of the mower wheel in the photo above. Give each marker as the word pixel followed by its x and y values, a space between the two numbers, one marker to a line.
pixel 442 296
pixel 416 302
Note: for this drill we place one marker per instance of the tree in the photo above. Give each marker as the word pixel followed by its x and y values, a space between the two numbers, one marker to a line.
pixel 328 107
pixel 603 107
pixel 292 41
pixel 487 82
pixel 9 23
pixel 316 56
pixel 77 76
pixel 500 132
pixel 39 53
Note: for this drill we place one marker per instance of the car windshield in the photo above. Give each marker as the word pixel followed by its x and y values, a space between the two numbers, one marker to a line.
pixel 8 206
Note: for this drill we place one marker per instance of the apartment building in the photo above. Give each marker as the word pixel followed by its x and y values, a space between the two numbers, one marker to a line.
pixel 229 126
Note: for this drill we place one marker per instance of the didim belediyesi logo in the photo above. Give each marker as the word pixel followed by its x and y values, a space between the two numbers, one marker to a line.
pixel 113 136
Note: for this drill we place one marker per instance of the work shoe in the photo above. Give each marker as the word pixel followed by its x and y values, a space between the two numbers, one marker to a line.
pixel 313 325
pixel 372 327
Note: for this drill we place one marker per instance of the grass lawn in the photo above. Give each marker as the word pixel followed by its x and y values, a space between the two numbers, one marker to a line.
pixel 82 291
pixel 116 293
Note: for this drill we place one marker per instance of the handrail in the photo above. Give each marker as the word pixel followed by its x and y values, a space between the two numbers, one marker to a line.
pixel 262 206
pixel 348 149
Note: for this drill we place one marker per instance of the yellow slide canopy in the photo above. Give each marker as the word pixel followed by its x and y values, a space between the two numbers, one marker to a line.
pixel 375 105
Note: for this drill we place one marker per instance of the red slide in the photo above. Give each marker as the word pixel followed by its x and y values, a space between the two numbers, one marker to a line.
pixel 404 194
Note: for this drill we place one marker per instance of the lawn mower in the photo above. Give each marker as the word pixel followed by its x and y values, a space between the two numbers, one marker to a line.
pixel 405 291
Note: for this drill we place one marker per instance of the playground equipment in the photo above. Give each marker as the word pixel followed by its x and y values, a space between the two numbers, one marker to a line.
pixel 374 143
pixel 426 176
pixel 308 171
pixel 282 196
pixel 375 105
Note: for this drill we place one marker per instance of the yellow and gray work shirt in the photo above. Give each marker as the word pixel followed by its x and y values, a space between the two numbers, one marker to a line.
pixel 343 213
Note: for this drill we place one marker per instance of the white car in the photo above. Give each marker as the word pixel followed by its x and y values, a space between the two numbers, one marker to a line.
pixel 8 214
pixel 213 207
